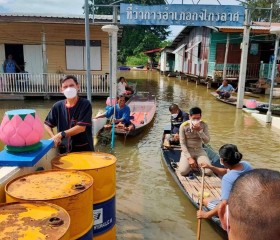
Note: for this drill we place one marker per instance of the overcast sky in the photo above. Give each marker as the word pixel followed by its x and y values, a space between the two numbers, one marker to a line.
pixel 75 7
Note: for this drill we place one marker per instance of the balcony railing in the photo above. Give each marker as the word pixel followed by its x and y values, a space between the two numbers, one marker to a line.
pixel 48 84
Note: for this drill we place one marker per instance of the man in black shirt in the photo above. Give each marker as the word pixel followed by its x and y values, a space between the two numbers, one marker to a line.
pixel 72 117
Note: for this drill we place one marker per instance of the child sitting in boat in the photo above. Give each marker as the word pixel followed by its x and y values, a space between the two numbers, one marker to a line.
pixel 123 87
pixel 230 157
pixel 225 90
pixel 122 115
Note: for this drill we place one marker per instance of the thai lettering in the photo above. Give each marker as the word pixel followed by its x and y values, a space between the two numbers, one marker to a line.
pixel 165 15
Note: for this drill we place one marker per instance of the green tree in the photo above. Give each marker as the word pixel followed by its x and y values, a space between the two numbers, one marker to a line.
pixel 135 39
pixel 263 15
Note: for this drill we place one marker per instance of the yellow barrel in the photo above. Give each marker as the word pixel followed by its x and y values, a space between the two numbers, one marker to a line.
pixel 102 167
pixel 37 220
pixel 71 190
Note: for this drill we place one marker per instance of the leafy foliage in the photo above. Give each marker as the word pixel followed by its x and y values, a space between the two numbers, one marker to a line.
pixel 135 39
pixel 263 15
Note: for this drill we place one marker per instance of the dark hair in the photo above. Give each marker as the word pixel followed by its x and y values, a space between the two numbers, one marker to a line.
pixel 121 79
pixel 173 106
pixel 195 110
pixel 230 154
pixel 67 77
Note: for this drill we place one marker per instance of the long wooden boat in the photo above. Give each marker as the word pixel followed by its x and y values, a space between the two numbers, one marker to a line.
pixel 231 100
pixel 142 111
pixel 191 184
pixel 263 108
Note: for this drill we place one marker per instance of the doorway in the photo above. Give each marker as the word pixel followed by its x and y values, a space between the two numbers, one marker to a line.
pixel 17 51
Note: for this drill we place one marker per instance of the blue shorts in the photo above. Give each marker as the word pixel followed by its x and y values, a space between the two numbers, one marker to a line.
pixel 212 204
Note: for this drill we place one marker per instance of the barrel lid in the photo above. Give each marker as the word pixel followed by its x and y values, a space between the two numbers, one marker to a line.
pixel 37 220
pixel 84 160
pixel 49 185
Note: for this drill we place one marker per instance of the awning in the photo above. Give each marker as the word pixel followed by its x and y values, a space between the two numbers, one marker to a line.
pixel 190 48
pixel 179 48
pixel 153 50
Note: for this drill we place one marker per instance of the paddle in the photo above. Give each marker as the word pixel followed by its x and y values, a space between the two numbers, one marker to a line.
pixel 200 205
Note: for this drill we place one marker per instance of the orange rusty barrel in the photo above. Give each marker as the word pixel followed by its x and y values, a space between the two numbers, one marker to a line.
pixel 102 167
pixel 71 190
pixel 37 220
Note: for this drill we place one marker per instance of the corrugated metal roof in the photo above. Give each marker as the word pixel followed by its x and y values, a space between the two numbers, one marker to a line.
pixel 52 18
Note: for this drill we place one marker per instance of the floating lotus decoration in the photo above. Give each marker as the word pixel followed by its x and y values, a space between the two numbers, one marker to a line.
pixel 21 130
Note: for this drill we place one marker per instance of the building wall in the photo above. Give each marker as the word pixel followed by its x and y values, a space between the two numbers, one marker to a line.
pixel 31 33
pixel 196 59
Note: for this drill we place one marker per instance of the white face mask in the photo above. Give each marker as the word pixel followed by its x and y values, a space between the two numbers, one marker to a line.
pixel 174 115
pixel 221 162
pixel 195 121
pixel 70 92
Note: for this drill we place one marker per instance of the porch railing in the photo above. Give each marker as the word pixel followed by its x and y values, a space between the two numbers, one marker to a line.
pixel 49 83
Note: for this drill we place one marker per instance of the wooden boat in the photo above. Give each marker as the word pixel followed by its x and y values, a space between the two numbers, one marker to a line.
pixel 191 185
pixel 124 68
pixel 263 108
pixel 231 100
pixel 142 110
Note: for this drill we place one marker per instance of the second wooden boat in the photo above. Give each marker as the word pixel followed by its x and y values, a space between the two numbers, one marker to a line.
pixel 142 110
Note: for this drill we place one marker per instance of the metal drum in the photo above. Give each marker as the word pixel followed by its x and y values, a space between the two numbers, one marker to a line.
pixel 102 167
pixel 37 220
pixel 71 190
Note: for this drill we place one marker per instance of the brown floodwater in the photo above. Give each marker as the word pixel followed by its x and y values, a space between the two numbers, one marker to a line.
pixel 150 205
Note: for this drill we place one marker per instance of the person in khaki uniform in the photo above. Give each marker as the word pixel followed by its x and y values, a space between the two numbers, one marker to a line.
pixel 192 134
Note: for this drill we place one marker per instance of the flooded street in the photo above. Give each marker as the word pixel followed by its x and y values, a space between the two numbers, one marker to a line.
pixel 150 205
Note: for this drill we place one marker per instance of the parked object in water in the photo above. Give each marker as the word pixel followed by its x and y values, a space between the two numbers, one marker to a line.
pixel 124 68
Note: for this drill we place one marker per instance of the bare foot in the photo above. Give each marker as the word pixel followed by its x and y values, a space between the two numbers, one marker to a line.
pixel 107 126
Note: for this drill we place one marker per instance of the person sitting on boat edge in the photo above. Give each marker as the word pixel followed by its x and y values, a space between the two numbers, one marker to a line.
pixel 123 87
pixel 192 134
pixel 177 118
pixel 253 211
pixel 230 157
pixel 225 90
pixel 122 115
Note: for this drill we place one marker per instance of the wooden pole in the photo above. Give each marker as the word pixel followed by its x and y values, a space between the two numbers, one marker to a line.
pixel 200 204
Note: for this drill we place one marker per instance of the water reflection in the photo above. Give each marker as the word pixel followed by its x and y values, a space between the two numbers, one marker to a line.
pixel 149 203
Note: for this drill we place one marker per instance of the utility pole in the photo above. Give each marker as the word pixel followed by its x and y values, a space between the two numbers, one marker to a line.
pixel 87 37
pixel 243 63
pixel 275 31
pixel 225 59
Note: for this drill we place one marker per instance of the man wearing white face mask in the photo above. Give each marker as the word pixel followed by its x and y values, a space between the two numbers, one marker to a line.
pixel 177 118
pixel 192 134
pixel 72 117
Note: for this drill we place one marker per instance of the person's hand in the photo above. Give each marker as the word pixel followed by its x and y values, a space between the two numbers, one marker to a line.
pixel 204 165
pixel 192 163
pixel 201 214
pixel 176 137
pixel 57 139
pixel 116 120
pixel 197 127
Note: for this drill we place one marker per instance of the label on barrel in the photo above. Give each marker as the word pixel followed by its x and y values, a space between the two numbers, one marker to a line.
pixel 104 216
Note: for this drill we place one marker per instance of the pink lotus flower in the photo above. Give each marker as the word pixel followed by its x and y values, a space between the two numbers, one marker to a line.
pixel 20 128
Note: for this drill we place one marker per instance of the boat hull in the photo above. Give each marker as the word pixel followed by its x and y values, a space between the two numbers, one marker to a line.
pixel 191 186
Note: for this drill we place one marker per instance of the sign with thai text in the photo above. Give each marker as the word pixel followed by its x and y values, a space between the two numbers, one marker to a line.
pixel 182 14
